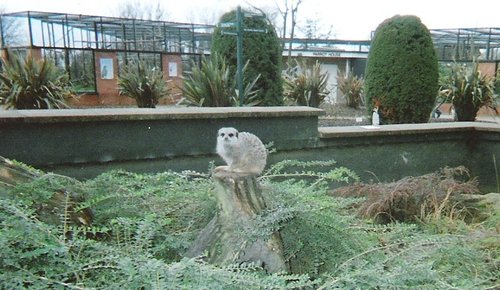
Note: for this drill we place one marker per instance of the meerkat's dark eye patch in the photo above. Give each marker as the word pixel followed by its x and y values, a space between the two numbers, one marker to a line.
pixel 222 134
pixel 231 135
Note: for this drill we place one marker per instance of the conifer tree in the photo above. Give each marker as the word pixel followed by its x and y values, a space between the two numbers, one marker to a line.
pixel 402 71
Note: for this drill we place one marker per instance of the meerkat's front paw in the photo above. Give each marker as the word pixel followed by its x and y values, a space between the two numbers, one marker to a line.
pixel 222 168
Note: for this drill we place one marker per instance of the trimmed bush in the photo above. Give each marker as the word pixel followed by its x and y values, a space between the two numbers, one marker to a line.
pixel 261 50
pixel 402 71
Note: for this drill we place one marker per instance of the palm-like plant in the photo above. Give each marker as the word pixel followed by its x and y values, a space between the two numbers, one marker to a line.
pixel 213 85
pixel 351 86
pixel 468 90
pixel 305 85
pixel 146 86
pixel 29 83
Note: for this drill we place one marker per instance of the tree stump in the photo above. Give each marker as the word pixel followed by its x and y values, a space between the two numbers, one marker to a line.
pixel 12 174
pixel 240 199
pixel 62 201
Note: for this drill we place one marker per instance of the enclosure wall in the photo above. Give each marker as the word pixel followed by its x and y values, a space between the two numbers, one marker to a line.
pixel 84 143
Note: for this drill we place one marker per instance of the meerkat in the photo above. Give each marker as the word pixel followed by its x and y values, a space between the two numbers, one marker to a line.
pixel 242 151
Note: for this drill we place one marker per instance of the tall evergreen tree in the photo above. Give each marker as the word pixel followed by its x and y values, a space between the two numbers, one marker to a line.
pixel 261 50
pixel 402 71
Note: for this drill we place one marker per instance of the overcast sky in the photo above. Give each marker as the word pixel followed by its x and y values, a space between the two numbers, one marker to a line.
pixel 349 19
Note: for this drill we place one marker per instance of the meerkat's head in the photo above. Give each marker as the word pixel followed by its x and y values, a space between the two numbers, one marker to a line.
pixel 227 135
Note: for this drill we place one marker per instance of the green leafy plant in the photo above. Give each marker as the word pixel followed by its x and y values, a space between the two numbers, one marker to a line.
pixel 351 86
pixel 29 83
pixel 468 90
pixel 144 85
pixel 305 84
pixel 401 77
pixel 143 224
pixel 213 85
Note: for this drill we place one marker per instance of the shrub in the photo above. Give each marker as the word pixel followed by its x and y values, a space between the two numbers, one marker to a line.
pixel 30 83
pixel 144 223
pixel 261 50
pixel 213 85
pixel 351 86
pixel 144 85
pixel 468 90
pixel 305 85
pixel 402 71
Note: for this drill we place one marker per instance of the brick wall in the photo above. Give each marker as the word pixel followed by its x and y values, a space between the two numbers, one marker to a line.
pixel 108 94
pixel 172 71
pixel 106 65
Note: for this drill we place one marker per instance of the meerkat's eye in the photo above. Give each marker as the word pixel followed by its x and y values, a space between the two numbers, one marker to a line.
pixel 231 135
pixel 222 134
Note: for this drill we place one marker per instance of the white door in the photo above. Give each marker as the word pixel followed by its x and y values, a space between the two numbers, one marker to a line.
pixel 332 82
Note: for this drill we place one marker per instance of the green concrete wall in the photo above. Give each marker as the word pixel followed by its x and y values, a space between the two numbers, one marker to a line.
pixel 84 143
pixel 143 138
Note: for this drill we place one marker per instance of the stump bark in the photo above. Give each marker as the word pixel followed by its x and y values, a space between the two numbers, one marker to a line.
pixel 239 199
pixel 63 200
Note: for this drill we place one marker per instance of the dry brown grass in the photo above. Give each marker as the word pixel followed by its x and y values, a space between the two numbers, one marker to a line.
pixel 413 198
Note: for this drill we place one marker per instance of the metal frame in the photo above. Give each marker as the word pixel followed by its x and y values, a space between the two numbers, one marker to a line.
pixel 60 30
pixel 466 43
pixel 71 31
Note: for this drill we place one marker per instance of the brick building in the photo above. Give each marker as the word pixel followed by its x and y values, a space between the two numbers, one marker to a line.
pixel 94 49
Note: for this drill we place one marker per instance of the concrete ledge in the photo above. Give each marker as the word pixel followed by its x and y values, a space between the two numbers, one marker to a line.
pixel 406 129
pixel 170 113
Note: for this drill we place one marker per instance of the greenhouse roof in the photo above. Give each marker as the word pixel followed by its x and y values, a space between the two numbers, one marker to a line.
pixel 60 30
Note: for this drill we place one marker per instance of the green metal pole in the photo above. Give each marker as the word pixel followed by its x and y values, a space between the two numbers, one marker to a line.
pixel 239 53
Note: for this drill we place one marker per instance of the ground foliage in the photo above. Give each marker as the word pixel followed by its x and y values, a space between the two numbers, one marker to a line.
pixel 143 224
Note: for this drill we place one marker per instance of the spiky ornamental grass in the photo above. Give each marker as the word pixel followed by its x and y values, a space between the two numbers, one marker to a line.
pixel 468 90
pixel 351 86
pixel 145 85
pixel 305 84
pixel 213 85
pixel 29 83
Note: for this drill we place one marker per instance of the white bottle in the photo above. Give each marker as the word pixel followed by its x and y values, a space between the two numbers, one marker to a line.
pixel 375 117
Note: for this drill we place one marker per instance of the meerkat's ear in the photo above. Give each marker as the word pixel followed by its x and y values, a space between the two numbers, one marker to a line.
pixel 237 133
